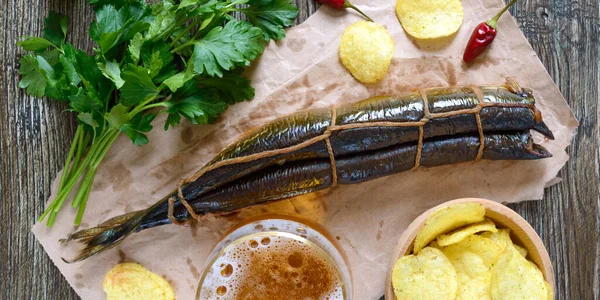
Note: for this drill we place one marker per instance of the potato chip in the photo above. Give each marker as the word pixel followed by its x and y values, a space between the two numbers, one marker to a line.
pixel 461 233
pixel 514 277
pixel 366 50
pixel 474 255
pixel 430 19
pixel 131 281
pixel 521 250
pixel 447 219
pixel 502 238
pixel 427 275
pixel 471 288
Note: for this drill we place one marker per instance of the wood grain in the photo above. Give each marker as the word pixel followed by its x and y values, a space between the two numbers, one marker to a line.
pixel 35 135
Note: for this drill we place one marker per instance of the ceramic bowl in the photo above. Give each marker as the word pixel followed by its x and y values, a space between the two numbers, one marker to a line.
pixel 521 233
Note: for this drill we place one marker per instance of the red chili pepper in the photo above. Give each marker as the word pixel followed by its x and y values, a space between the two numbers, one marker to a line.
pixel 339 4
pixel 483 36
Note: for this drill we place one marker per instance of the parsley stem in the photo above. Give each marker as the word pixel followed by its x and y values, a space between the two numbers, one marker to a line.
pixel 153 105
pixel 216 20
pixel 140 107
pixel 63 193
pixel 182 46
pixel 186 30
pixel 82 147
pixel 85 183
pixel 77 140
pixel 200 33
pixel 83 204
pixel 107 146
pixel 98 155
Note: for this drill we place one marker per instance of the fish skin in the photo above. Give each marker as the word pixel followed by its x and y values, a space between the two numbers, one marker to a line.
pixel 288 180
pixel 401 108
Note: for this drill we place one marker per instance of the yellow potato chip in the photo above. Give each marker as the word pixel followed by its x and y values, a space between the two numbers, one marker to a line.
pixel 131 281
pixel 514 277
pixel 502 238
pixel 521 250
pixel 427 275
pixel 471 288
pixel 474 255
pixel 447 219
pixel 430 19
pixel 471 259
pixel 461 233
pixel 366 50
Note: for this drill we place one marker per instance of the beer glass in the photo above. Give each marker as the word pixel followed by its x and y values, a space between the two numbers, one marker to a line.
pixel 276 257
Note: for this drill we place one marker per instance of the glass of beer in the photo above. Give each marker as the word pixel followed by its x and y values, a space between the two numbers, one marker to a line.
pixel 276 257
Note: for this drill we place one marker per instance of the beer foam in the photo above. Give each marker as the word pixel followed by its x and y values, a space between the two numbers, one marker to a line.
pixel 272 265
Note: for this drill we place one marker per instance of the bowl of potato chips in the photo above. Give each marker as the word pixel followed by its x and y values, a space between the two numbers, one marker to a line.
pixel 470 249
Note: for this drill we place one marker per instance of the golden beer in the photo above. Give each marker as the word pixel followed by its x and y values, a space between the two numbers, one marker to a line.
pixel 276 257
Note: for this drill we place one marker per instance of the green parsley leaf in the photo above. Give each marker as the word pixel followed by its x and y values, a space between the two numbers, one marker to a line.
pixel 138 85
pixel 186 3
pixel 271 16
pixel 32 80
pixel 84 103
pixel 172 120
pixel 155 64
pixel 88 119
pixel 35 44
pixel 134 128
pixel 117 116
pixel 68 59
pixel 56 28
pixel 207 19
pixel 37 74
pixel 62 90
pixel 232 87
pixel 164 17
pixel 111 70
pixel 224 48
pixel 113 27
pixel 178 80
pixel 205 6
pixel 135 46
pixel 86 66
pixel 46 70
pixel 195 104
pixel 157 58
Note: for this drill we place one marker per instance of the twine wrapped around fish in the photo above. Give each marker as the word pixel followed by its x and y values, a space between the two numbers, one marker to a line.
pixel 318 149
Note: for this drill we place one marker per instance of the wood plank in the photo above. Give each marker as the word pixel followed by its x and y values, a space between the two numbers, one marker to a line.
pixel 565 37
pixel 35 135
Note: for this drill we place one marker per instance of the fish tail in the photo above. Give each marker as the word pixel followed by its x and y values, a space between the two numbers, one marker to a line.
pixel 107 235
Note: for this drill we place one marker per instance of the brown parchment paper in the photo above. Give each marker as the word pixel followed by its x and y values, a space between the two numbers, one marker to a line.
pixel 300 72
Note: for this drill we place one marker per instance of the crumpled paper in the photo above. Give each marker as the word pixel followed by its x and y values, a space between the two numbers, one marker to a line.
pixel 303 71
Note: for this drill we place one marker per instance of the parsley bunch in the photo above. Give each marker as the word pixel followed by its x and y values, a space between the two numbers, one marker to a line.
pixel 182 59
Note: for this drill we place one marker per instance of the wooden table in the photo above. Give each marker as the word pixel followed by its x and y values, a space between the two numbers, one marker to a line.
pixel 35 135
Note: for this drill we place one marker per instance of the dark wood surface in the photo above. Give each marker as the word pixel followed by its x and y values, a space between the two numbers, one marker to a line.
pixel 35 135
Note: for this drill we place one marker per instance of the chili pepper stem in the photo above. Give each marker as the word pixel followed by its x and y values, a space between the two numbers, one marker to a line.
pixel 347 4
pixel 493 22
